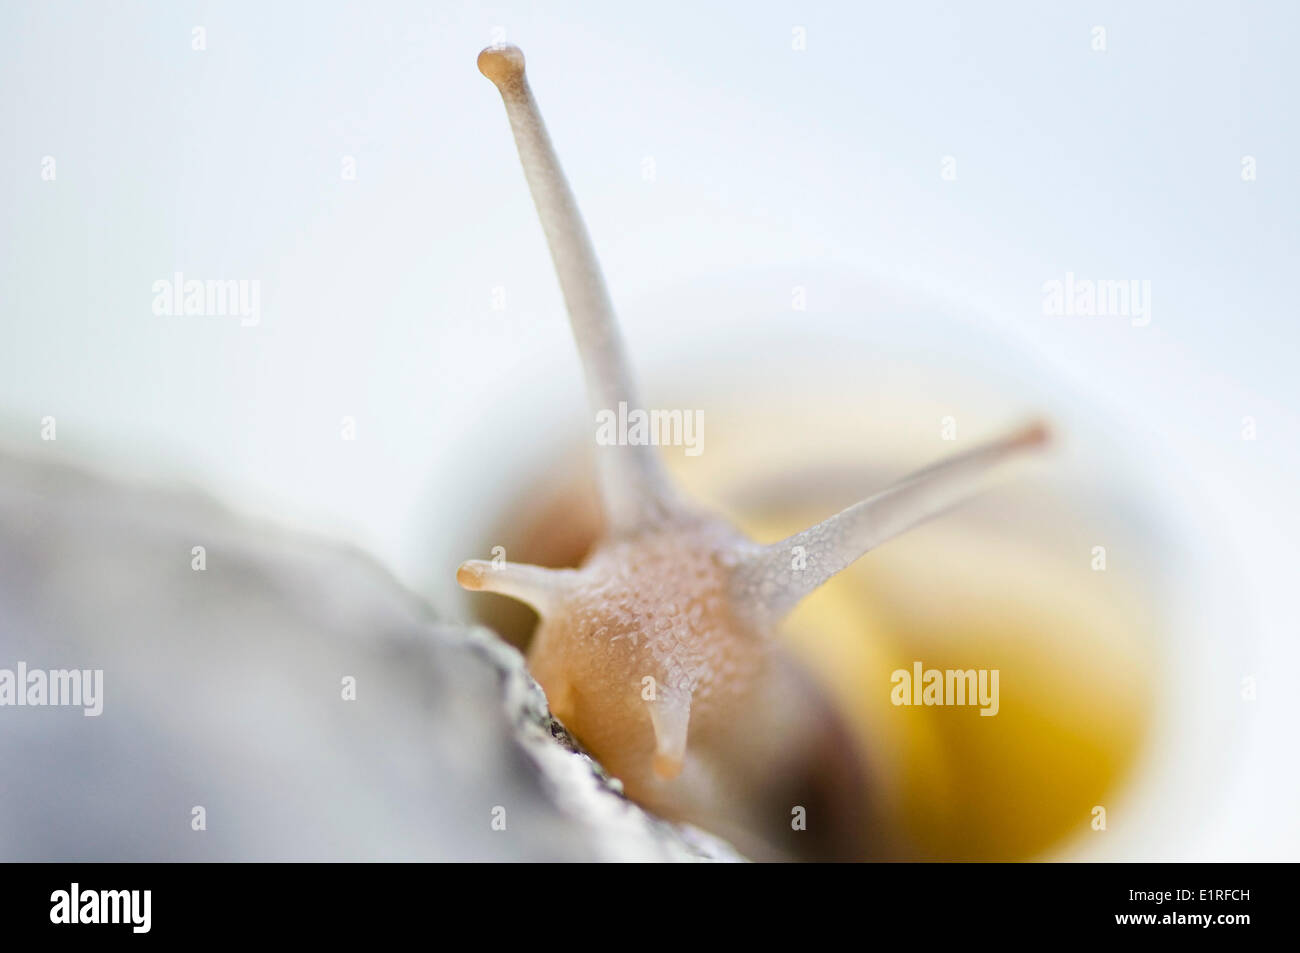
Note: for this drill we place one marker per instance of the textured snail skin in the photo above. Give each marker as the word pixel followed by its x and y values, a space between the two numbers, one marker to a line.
pixel 649 614
pixel 643 648
pixel 659 653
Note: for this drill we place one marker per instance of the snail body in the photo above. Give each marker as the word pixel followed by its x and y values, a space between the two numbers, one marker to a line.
pixel 659 652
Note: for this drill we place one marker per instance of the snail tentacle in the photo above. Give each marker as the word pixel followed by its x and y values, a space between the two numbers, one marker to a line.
pixel 775 578
pixel 670 715
pixel 543 589
pixel 634 487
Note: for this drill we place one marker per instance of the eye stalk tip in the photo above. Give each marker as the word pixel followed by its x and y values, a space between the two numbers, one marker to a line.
pixel 503 64
pixel 470 575
pixel 1035 434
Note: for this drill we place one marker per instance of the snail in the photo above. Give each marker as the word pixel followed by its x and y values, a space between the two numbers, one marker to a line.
pixel 659 652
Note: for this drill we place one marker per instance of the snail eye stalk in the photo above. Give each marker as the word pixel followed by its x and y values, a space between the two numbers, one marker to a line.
pixel 634 487
pixel 768 582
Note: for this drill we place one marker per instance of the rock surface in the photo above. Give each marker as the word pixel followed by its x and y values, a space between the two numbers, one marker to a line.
pixel 224 701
